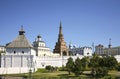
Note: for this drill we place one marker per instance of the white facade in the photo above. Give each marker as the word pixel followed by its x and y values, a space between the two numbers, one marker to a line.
pixel 57 61
pixel 20 51
pixel 2 49
pixel 85 51
pixel 40 47
pixel 19 55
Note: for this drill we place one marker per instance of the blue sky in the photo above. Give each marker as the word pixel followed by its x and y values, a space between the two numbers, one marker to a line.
pixel 83 21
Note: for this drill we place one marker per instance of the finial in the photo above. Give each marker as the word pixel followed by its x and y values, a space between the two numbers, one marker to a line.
pixel 21 32
pixel 21 27
pixel 109 43
pixel 109 40
pixel 39 37
pixel 60 30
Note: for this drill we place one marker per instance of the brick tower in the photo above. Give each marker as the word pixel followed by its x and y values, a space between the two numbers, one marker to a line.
pixel 61 47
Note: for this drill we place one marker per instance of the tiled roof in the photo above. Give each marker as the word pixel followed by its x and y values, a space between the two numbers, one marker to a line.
pixel 20 42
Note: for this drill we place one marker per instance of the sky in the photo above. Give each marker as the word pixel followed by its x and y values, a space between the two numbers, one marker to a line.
pixel 83 21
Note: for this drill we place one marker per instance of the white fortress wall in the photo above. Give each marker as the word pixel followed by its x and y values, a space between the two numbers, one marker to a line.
pixel 16 60
pixel 15 70
pixel 58 61
pixel 21 64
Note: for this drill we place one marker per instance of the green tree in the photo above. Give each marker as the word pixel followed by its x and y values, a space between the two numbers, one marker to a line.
pixel 98 68
pixel 94 61
pixel 70 65
pixel 118 67
pixel 111 62
pixel 48 68
pixel 85 62
pixel 101 65
pixel 78 68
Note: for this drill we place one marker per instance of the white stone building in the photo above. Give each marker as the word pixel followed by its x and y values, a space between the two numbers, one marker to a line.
pixel 20 56
pixel 112 51
pixel 40 47
pixel 85 51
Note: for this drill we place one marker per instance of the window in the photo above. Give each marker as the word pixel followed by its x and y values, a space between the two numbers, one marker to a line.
pixel 23 52
pixel 14 52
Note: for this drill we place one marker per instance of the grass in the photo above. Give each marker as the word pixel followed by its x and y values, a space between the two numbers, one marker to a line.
pixel 44 74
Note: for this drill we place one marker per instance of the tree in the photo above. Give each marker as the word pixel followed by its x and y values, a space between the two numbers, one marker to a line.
pixel 48 68
pixel 78 68
pixel 85 62
pixel 101 65
pixel 94 61
pixel 70 65
pixel 111 62
pixel 98 66
pixel 118 67
pixel 101 72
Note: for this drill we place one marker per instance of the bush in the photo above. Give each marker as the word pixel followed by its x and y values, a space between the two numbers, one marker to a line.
pixel 51 68
pixel 118 67
pixel 99 72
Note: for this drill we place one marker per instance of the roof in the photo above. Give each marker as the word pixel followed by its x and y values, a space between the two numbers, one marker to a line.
pixel 2 46
pixel 20 42
pixel 116 47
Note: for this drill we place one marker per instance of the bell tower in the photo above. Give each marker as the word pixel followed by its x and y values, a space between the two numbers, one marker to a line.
pixel 61 47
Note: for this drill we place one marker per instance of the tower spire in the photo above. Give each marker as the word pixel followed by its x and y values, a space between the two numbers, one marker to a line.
pixel 61 47
pixel 60 31
pixel 109 46
pixel 21 32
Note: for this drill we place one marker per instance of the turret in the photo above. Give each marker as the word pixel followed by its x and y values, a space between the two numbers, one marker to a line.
pixel 39 38
pixel 109 46
pixel 21 32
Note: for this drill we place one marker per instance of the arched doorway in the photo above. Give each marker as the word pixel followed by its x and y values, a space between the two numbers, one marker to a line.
pixel 64 53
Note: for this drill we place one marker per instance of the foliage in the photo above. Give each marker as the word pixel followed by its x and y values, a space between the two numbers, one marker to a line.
pixel 109 61
pixel 51 68
pixel 94 61
pixel 118 67
pixel 101 72
pixel 48 67
pixel 70 65
pixel 78 68
pixel 85 62
pixel 101 65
